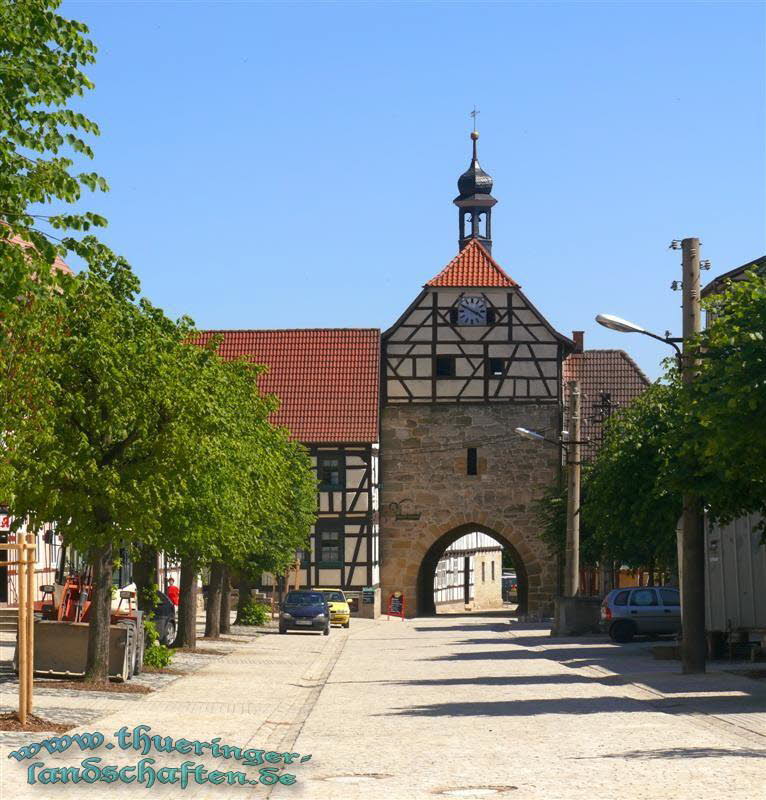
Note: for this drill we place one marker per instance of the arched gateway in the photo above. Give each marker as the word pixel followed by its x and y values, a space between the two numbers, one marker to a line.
pixel 469 361
pixel 425 584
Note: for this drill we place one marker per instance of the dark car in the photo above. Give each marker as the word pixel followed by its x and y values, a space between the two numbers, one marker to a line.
pixel 305 611
pixel 165 619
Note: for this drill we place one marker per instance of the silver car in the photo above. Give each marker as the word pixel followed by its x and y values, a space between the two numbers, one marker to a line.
pixel 641 610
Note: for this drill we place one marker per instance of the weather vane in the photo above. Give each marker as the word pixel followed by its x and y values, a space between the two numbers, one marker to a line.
pixel 475 113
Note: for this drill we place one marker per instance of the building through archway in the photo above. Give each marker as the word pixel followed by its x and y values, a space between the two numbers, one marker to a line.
pixel 427 575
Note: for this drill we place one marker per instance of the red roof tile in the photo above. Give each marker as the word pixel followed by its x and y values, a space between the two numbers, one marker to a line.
pixel 472 266
pixel 59 265
pixel 327 380
pixel 609 380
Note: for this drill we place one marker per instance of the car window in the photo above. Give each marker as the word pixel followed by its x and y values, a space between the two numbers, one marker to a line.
pixel 334 597
pixel 670 597
pixel 304 598
pixel 621 598
pixel 643 597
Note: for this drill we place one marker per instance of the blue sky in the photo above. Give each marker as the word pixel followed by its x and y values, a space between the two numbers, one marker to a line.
pixel 293 164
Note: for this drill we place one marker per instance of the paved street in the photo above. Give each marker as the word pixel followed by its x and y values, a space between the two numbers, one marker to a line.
pixel 457 706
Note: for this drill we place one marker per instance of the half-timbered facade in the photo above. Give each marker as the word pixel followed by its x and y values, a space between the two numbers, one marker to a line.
pixel 327 382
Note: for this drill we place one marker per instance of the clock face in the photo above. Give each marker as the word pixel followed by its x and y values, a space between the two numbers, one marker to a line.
pixel 472 311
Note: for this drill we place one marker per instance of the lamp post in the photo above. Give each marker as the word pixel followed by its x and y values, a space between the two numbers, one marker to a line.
pixel 692 535
pixel 572 450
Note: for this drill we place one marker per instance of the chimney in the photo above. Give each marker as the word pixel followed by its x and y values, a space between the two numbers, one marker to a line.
pixel 578 337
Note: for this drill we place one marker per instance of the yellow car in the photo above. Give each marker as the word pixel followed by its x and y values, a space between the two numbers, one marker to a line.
pixel 340 613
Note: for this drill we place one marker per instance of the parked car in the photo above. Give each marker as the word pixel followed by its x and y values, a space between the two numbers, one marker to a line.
pixel 340 613
pixel 641 610
pixel 305 610
pixel 165 619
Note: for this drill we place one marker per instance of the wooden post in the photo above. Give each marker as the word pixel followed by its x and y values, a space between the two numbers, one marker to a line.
pixel 692 566
pixel 572 552
pixel 31 560
pixel 21 590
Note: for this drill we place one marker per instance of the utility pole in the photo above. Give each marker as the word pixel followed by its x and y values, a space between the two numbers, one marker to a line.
pixel 692 567
pixel 572 555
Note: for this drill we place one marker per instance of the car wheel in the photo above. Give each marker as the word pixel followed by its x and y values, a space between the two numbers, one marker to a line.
pixel 326 631
pixel 347 624
pixel 169 634
pixel 622 631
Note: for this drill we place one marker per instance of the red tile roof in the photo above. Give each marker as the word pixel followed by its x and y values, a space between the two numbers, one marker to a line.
pixel 59 265
pixel 472 266
pixel 326 379
pixel 609 379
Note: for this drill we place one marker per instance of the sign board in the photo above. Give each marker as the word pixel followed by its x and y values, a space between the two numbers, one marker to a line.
pixel 368 595
pixel 395 606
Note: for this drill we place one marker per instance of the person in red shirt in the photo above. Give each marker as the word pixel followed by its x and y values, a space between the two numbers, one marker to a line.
pixel 173 592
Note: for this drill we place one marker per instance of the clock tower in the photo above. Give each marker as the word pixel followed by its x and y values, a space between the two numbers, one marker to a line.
pixel 469 361
pixel 475 202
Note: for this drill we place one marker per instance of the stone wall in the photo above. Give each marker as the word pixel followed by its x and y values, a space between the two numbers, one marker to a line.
pixel 487 594
pixel 423 471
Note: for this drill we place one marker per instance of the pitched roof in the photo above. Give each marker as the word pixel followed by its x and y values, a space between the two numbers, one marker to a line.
pixel 59 265
pixel 609 379
pixel 736 274
pixel 472 266
pixel 326 379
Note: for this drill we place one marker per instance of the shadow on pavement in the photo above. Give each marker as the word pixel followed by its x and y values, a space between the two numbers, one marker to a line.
pixel 683 752
pixel 573 705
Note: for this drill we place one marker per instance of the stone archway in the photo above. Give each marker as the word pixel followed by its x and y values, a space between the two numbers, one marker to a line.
pixel 426 572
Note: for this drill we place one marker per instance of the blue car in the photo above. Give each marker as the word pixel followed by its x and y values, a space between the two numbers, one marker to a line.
pixel 305 611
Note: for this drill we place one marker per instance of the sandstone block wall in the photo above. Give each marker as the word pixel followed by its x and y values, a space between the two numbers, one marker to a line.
pixel 423 470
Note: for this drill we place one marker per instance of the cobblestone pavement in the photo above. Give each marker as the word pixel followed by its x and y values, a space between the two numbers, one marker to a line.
pixel 458 706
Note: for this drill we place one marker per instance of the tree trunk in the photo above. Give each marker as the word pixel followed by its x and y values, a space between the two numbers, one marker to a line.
pixel 145 578
pixel 226 600
pixel 97 662
pixel 246 584
pixel 213 611
pixel 187 605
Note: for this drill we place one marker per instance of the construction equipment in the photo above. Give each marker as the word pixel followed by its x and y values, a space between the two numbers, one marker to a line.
pixel 61 625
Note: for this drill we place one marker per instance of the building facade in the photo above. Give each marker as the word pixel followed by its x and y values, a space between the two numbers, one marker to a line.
pixel 327 382
pixel 468 576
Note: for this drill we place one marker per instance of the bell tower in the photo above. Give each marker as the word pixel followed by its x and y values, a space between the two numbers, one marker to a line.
pixel 475 203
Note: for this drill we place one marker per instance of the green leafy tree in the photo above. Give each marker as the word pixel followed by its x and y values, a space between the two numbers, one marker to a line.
pixel 42 142
pixel 722 452
pixel 630 505
pixel 111 448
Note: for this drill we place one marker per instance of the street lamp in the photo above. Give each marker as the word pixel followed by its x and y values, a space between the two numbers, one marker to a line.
pixel 621 325
pixel 572 449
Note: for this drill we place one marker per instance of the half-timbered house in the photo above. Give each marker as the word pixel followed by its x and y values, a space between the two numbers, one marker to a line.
pixel 327 383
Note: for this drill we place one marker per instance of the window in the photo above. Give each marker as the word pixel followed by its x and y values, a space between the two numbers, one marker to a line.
pixel 493 572
pixel 303 557
pixel 453 316
pixel 621 599
pixel 670 597
pixel 490 316
pixel 329 543
pixel 472 466
pixel 483 571
pixel 495 367
pixel 331 472
pixel 445 367
pixel 643 597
